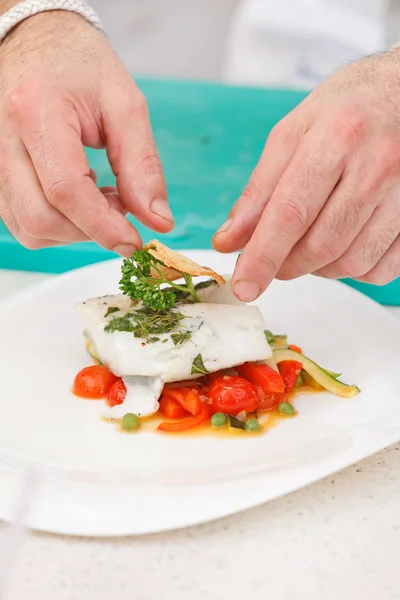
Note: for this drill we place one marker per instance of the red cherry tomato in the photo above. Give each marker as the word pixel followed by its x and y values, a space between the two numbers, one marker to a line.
pixel 232 395
pixel 290 370
pixel 117 393
pixel 93 382
pixel 262 375
pixel 269 400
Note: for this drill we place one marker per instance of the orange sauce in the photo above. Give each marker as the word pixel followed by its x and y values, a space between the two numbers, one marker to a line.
pixel 267 419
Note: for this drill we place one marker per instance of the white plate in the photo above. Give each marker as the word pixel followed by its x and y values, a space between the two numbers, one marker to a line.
pixel 98 481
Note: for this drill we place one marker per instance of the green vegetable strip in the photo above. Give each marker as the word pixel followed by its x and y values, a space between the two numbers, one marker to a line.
pixel 321 376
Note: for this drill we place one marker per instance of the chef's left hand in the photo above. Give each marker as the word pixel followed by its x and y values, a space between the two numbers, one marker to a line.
pixel 325 195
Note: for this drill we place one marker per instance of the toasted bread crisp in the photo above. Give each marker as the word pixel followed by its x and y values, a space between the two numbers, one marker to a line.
pixel 177 263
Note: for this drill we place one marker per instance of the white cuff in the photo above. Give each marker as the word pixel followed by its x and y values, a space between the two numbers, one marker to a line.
pixel 22 11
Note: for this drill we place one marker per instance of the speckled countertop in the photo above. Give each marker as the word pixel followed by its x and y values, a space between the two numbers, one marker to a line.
pixel 338 539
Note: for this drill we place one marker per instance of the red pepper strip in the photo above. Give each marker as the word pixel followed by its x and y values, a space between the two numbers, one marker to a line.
pixel 295 348
pixel 290 370
pixel 190 423
pixel 188 398
pixel 262 375
pixel 171 409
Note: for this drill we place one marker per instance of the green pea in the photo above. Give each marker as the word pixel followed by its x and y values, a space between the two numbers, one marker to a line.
pixel 130 422
pixel 252 425
pixel 218 420
pixel 299 380
pixel 285 408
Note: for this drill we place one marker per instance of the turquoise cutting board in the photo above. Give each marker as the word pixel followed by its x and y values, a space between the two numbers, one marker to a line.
pixel 210 137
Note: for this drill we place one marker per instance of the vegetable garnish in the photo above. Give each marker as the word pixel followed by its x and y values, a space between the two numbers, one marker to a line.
pixel 252 425
pixel 146 323
pixel 93 382
pixel 236 423
pixel 130 422
pixel 170 408
pixel 268 400
pixel 218 419
pixel 276 341
pixel 232 395
pixel 290 370
pixel 198 367
pixel 263 376
pixel 117 393
pixel 188 398
pixel 203 416
pixel 111 310
pixel 325 378
pixel 285 408
pixel 147 286
pixel 181 337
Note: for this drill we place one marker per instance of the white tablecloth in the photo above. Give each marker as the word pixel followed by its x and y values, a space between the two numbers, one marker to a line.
pixel 338 539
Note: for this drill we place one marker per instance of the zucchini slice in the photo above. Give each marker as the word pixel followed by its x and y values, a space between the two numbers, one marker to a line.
pixel 276 341
pixel 325 378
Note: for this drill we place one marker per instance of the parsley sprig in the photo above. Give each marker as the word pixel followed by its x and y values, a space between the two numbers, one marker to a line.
pixel 138 283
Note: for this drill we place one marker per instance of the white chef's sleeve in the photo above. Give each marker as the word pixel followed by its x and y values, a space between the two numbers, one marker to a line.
pixel 297 43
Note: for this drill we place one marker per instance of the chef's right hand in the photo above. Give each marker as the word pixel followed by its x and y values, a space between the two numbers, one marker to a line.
pixel 62 87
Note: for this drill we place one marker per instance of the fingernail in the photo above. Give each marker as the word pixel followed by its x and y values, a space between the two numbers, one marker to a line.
pixel 226 226
pixel 247 291
pixel 161 208
pixel 125 250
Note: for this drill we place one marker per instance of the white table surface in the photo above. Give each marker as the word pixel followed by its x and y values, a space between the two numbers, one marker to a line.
pixel 338 539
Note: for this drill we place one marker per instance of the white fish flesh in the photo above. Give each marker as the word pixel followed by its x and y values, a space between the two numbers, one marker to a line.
pixel 224 334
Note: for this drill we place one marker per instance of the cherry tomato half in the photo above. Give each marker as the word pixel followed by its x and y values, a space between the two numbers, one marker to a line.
pixel 269 400
pixel 232 395
pixel 117 393
pixel 93 382
pixel 290 370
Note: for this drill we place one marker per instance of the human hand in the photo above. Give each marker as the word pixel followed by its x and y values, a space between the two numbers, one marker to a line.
pixel 62 87
pixel 325 195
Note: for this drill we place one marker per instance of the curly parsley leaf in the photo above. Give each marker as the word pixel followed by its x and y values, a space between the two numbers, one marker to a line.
pixel 138 282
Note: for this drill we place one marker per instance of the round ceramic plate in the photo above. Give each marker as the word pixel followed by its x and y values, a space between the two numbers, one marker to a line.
pixel 94 480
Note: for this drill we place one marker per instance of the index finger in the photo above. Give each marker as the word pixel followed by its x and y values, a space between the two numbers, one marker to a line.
pixel 58 156
pixel 294 205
